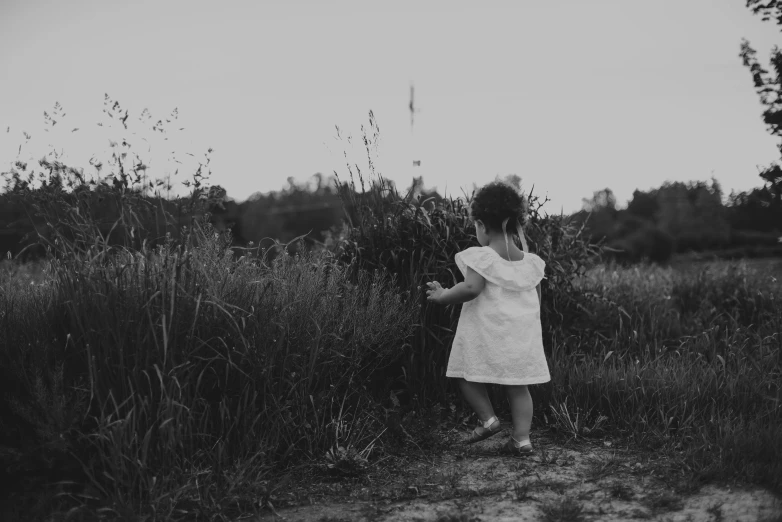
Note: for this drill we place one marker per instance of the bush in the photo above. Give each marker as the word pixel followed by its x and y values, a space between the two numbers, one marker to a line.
pixel 647 242
pixel 753 238
pixel 147 364
pixel 416 239
pixel 150 352
pixel 660 305
pixel 685 360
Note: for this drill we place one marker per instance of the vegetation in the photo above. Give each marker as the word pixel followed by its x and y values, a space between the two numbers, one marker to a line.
pixel 769 89
pixel 685 359
pixel 144 371
pixel 682 358
pixel 675 218
pixel 154 365
pixel 696 216
pixel 158 376
pixel 141 410
pixel 416 240
pixel 685 217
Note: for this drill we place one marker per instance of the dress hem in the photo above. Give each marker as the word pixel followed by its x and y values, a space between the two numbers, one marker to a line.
pixel 495 380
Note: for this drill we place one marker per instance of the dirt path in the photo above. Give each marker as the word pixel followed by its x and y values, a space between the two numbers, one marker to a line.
pixel 563 481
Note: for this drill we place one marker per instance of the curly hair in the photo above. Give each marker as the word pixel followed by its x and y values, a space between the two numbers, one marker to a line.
pixel 496 201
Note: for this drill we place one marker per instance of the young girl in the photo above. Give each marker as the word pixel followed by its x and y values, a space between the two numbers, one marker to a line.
pixel 499 337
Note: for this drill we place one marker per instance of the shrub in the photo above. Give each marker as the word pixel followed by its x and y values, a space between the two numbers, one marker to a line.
pixel 152 364
pixel 646 242
pixel 158 363
pixel 416 239
pixel 691 363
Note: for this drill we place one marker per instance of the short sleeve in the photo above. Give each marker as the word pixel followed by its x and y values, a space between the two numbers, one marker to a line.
pixel 477 259
pixel 518 275
pixel 537 268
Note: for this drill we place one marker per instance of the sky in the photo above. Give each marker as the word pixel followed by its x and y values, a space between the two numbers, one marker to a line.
pixel 571 96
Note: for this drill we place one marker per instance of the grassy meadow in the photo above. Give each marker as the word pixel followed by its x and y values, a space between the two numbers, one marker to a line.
pixel 178 382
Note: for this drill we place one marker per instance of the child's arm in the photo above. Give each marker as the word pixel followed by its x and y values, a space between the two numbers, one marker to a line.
pixel 461 293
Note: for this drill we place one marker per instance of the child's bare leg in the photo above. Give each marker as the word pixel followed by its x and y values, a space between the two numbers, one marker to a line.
pixel 478 398
pixel 521 409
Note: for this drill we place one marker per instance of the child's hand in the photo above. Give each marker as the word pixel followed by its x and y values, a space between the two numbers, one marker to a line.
pixel 434 292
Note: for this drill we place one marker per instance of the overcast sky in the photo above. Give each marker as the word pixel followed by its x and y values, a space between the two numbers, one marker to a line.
pixel 572 96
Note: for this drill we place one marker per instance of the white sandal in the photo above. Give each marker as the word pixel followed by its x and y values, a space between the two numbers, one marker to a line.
pixel 516 447
pixel 485 430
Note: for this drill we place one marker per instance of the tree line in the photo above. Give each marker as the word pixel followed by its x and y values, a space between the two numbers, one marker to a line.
pixel 680 217
pixel 673 218
pixel 676 217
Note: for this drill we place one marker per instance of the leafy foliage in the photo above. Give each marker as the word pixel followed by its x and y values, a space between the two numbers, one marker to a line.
pixel 416 240
pixel 162 368
pixel 151 362
pixel 768 87
pixel 768 9
pixel 682 217
pixel 170 375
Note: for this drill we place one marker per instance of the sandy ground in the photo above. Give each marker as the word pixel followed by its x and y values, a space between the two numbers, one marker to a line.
pixel 570 480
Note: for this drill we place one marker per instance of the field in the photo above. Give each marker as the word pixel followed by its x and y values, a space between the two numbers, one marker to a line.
pixel 192 380
pixel 679 366
pixel 765 265
pixel 656 429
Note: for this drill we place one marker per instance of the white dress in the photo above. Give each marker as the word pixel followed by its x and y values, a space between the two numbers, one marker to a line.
pixel 499 338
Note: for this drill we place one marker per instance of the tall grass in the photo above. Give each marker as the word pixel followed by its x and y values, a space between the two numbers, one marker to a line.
pixel 179 380
pixel 687 360
pixel 416 240
pixel 155 368
pixel 665 304
pixel 693 362
pixel 170 370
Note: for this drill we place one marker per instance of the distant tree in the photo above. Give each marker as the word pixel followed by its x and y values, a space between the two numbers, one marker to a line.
pixel 755 211
pixel 601 200
pixel 693 214
pixel 643 205
pixel 646 242
pixel 674 217
pixel 599 214
pixel 769 88
pixel 768 9
pixel 312 207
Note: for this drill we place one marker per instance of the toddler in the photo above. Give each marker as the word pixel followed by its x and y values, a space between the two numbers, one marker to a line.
pixel 499 336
